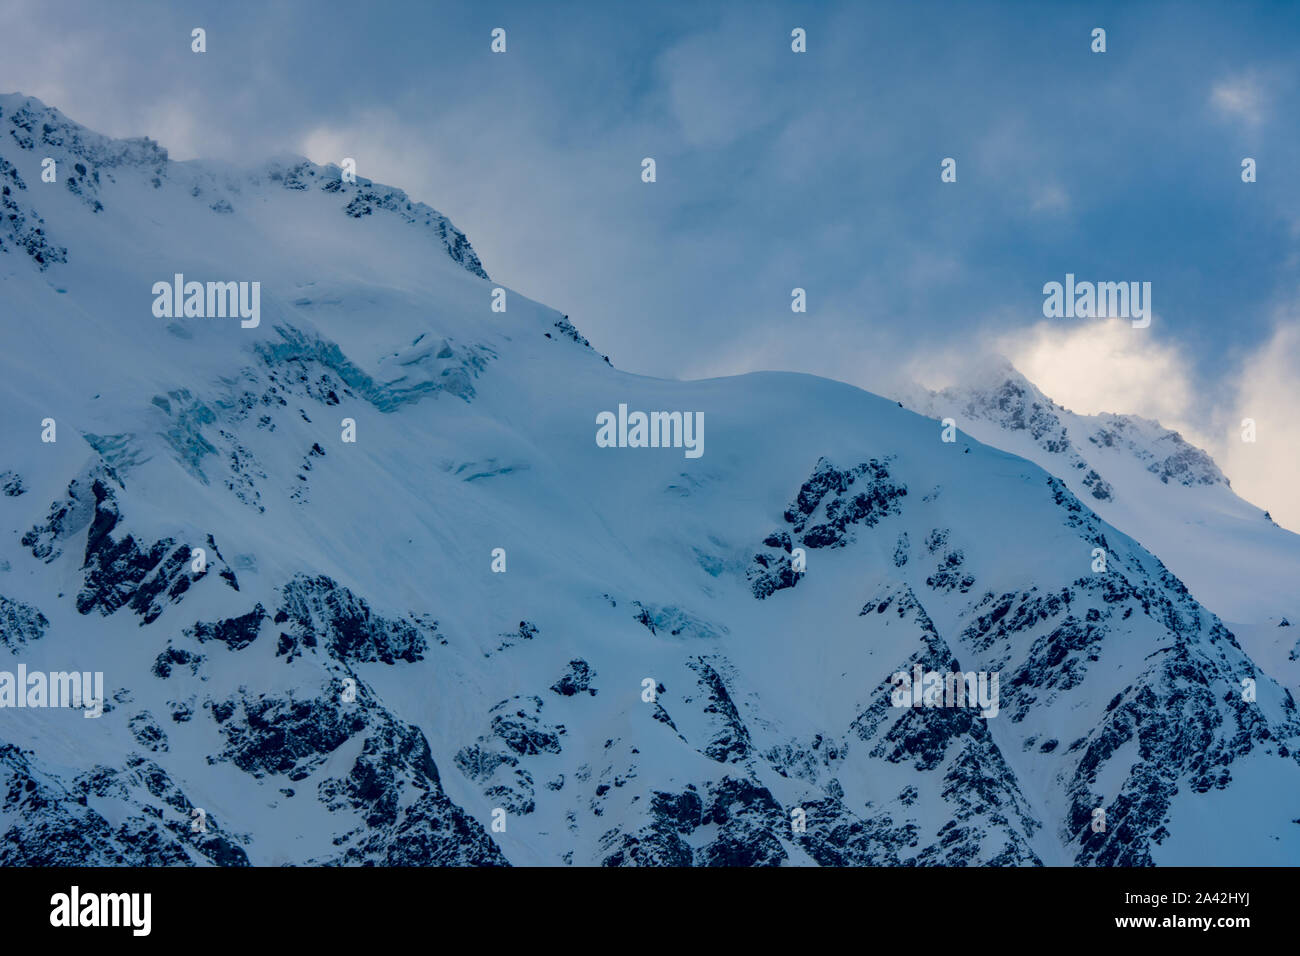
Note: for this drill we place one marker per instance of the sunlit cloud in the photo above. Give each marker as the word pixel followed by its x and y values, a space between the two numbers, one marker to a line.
pixel 1240 97
pixel 1267 470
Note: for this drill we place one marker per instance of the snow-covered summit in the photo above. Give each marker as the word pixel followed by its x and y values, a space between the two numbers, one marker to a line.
pixel 1001 396
pixel 85 160
pixel 1152 483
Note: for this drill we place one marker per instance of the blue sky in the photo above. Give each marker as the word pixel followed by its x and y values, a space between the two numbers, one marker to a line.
pixel 777 170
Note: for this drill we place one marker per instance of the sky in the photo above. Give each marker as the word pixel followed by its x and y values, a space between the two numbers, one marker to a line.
pixel 778 170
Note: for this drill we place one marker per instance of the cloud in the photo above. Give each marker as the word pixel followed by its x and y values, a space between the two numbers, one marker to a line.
pixel 567 229
pixel 1240 97
pixel 386 149
pixel 711 103
pixel 1050 199
pixel 1107 366
pixel 816 343
pixel 725 83
pixel 1267 471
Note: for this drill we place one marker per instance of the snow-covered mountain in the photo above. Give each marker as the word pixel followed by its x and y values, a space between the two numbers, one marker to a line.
pixel 650 680
pixel 1157 487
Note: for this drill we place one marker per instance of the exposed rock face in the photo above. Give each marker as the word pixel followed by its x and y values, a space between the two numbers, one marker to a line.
pixel 822 515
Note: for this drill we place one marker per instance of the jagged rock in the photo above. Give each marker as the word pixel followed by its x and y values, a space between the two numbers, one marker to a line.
pixel 317 610
pixel 575 680
pixel 20 623
pixel 862 495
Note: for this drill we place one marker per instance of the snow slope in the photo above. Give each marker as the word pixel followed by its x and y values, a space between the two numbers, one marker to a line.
pixel 333 565
pixel 1159 488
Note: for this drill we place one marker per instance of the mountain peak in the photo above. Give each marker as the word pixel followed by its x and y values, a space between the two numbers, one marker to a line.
pixel 83 159
pixel 998 394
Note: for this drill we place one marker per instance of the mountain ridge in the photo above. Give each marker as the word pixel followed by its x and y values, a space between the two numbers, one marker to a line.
pixel 348 680
pixel 1231 554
